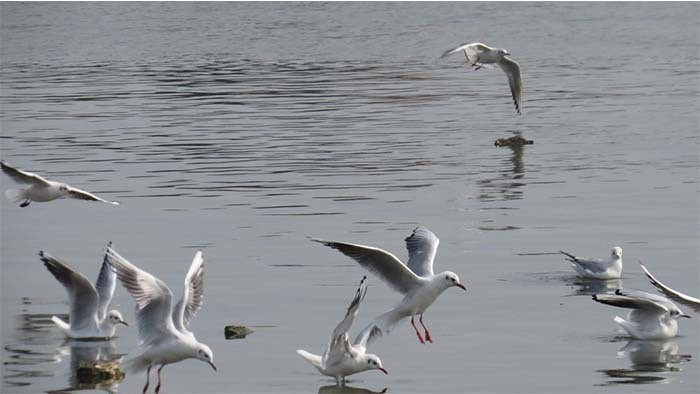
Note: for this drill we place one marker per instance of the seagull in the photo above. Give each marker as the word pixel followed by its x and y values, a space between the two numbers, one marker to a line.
pixel 652 316
pixel 691 302
pixel 41 189
pixel 89 318
pixel 163 330
pixel 479 56
pixel 597 268
pixel 342 358
pixel 416 281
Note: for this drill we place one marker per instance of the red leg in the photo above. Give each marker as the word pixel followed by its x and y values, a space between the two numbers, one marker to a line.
pixel 148 376
pixel 158 386
pixel 420 338
pixel 427 333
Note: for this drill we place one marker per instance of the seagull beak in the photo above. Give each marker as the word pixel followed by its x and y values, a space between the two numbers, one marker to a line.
pixel 383 370
pixel 212 365
pixel 685 316
pixel 461 286
pixel 124 323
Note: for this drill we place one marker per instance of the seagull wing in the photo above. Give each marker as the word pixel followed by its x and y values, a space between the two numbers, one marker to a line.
pixel 382 263
pixel 691 302
pixel 626 301
pixel 472 51
pixel 83 195
pixel 20 176
pixel 595 266
pixel 81 293
pixel 153 300
pixel 105 286
pixel 422 246
pixel 193 295
pixel 512 70
pixel 339 344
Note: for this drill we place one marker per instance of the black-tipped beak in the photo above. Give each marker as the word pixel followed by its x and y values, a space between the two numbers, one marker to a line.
pixel 212 365
pixel 461 286
pixel 383 370
pixel 124 323
pixel 686 316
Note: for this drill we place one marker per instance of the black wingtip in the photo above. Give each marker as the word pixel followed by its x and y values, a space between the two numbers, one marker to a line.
pixel 595 297
pixel 618 292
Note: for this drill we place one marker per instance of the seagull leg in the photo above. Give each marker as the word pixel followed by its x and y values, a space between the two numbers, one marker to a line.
pixel 158 385
pixel 25 203
pixel 148 376
pixel 420 337
pixel 427 333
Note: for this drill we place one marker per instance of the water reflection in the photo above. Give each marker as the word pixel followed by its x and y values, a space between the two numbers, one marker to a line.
pixel 335 389
pixel 87 352
pixel 647 358
pixel 506 185
pixel 584 286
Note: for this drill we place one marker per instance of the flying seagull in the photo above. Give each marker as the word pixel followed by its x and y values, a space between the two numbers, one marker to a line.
pixel 41 189
pixel 343 358
pixel 416 280
pixel 89 318
pixel 482 56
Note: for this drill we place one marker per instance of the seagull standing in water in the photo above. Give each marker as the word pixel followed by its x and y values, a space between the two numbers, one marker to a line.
pixel 652 316
pixel 597 268
pixel 342 358
pixel 482 56
pixel 691 302
pixel 163 331
pixel 416 281
pixel 41 189
pixel 89 318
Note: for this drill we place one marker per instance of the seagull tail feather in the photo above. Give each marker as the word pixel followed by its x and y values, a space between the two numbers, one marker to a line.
pixel 16 195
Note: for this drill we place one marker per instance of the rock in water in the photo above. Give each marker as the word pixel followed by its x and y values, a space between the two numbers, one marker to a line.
pixel 512 141
pixel 236 332
pixel 99 372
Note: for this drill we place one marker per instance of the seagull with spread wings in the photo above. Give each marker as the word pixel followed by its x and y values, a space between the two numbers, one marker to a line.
pixel 89 318
pixel 41 189
pixel 482 56
pixel 415 280
pixel 343 358
pixel 163 331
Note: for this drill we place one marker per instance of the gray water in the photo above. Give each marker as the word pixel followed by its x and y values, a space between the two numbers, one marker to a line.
pixel 242 129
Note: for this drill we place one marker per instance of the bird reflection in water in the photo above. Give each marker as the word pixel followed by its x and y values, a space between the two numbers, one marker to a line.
pixel 584 286
pixel 345 389
pixel 648 358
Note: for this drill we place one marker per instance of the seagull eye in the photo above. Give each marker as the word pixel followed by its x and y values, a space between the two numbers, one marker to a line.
pixel 447 277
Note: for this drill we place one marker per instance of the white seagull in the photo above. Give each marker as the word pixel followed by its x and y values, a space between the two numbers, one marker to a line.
pixel 416 281
pixel 342 358
pixel 479 55
pixel 597 268
pixel 89 318
pixel 41 189
pixel 652 316
pixel 691 302
pixel 163 331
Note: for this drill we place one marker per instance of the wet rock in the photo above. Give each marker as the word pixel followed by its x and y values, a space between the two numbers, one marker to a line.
pixel 99 372
pixel 512 141
pixel 236 332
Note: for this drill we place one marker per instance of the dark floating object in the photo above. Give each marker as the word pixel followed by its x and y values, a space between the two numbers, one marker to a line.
pixel 99 372
pixel 513 141
pixel 236 332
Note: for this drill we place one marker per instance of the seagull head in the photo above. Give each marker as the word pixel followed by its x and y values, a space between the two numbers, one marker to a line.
pixel 205 354
pixel 677 313
pixel 115 317
pixel 63 188
pixel 503 52
pixel 450 279
pixel 373 362
pixel 616 252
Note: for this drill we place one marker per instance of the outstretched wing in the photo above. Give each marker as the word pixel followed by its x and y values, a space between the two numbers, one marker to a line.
pixel 512 70
pixel 339 343
pixel 152 296
pixel 471 51
pixel 382 263
pixel 105 286
pixel 691 302
pixel 625 301
pixel 193 295
pixel 20 176
pixel 81 293
pixel 83 195
pixel 422 245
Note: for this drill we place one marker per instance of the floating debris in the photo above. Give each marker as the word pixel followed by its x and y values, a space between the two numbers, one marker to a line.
pixel 513 141
pixel 236 332
pixel 99 372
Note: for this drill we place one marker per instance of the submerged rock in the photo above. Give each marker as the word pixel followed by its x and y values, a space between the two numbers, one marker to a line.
pixel 99 372
pixel 512 141
pixel 236 332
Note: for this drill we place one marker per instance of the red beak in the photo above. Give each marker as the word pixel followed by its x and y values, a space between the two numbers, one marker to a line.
pixel 212 365
pixel 383 370
pixel 461 286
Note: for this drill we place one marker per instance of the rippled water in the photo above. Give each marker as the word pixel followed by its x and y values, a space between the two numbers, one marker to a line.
pixel 243 128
